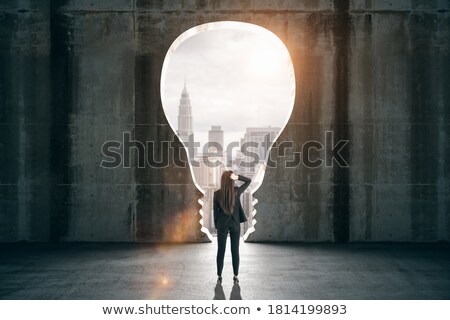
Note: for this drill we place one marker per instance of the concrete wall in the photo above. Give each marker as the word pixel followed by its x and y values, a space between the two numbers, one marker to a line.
pixel 76 74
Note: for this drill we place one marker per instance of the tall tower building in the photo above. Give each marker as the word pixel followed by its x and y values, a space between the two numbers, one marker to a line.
pixel 185 116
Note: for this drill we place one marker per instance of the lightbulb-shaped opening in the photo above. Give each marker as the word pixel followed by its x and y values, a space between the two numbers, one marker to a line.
pixel 230 87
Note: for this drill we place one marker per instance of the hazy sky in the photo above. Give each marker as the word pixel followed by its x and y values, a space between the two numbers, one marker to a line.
pixel 235 79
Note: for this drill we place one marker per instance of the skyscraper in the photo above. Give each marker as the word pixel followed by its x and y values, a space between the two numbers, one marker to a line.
pixel 185 116
pixel 259 135
pixel 216 135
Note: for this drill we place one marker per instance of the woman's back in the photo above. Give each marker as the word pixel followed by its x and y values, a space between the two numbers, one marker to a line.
pixel 228 214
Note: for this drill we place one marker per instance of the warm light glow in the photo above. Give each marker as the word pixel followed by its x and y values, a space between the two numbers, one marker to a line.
pixel 177 232
pixel 158 289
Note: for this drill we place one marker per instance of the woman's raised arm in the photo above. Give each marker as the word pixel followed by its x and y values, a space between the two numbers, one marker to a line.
pixel 246 183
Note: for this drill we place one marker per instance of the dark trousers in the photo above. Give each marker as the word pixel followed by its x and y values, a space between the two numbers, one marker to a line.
pixel 235 234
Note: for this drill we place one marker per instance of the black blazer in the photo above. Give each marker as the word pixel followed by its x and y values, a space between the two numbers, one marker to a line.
pixel 221 219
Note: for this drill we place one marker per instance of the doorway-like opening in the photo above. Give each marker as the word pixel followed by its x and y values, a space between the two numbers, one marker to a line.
pixel 228 87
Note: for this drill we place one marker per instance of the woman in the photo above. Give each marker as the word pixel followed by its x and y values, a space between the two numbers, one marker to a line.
pixel 228 214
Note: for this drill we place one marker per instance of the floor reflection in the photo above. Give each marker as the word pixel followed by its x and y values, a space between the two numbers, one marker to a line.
pixel 236 292
pixel 218 292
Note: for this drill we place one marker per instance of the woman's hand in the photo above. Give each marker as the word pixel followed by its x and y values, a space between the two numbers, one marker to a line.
pixel 234 176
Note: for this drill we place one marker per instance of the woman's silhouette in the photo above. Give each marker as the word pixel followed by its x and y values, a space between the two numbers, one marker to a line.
pixel 228 214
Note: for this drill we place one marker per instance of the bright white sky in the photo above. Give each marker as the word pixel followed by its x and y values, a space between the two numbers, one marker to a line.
pixel 235 79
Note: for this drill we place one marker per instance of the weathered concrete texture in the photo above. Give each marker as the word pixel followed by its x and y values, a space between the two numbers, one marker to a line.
pixel 25 122
pixel 397 124
pixel 187 271
pixel 75 74
pixel 102 51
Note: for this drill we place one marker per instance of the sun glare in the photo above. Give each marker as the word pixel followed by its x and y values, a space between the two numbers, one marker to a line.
pixel 265 62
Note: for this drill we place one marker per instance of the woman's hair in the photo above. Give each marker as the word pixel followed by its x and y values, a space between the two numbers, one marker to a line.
pixel 227 194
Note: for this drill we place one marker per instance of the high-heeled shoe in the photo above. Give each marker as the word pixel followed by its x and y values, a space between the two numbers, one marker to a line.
pixel 235 279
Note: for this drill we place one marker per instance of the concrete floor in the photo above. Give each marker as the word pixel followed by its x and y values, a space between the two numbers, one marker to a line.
pixel 188 271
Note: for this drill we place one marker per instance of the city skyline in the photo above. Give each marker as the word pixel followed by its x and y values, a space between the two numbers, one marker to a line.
pixel 184 129
pixel 229 82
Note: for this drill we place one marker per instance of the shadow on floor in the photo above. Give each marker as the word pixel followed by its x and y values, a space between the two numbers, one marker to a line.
pixel 218 292
pixel 235 294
